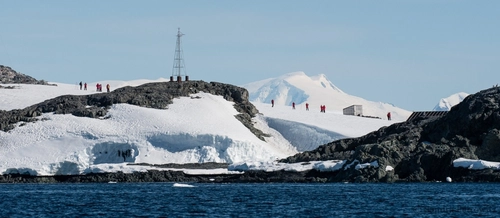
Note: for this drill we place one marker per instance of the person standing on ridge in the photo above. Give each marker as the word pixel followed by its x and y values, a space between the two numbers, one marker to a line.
pixel 307 106
pixel 293 105
pixel 107 87
pixel 80 85
pixel 272 102
pixel 85 86
pixel 389 116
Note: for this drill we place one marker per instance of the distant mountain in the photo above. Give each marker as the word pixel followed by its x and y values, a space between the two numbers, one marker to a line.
pixel 10 76
pixel 445 104
pixel 316 90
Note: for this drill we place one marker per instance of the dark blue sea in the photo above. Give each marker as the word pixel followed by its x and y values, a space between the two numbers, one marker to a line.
pixel 250 200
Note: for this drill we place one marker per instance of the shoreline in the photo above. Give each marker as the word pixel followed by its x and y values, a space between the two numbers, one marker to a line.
pixel 252 176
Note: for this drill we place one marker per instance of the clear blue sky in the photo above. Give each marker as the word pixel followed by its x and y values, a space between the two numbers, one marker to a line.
pixel 409 53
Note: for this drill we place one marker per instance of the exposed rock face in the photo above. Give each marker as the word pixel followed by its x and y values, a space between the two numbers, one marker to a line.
pixel 153 95
pixel 166 176
pixel 10 76
pixel 422 150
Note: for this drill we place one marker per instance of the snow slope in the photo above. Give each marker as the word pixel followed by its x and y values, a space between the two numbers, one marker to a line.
pixel 316 90
pixel 191 130
pixel 24 95
pixel 306 130
pixel 445 104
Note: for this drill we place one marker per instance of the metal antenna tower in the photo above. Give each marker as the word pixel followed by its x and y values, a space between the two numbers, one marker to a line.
pixel 179 68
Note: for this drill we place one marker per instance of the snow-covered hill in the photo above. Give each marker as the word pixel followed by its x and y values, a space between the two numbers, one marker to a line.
pixel 445 104
pixel 200 129
pixel 316 90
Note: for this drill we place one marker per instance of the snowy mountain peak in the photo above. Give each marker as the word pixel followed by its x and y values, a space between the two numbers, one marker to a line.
pixel 289 88
pixel 292 74
pixel 317 90
pixel 445 104
pixel 323 80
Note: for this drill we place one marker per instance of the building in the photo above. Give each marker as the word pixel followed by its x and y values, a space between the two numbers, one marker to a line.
pixel 355 110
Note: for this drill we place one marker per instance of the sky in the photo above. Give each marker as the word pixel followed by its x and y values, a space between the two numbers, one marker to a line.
pixel 378 50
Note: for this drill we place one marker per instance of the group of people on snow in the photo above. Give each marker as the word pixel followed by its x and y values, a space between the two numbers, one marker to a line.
pixel 293 105
pixel 98 87
pixel 84 86
pixel 322 108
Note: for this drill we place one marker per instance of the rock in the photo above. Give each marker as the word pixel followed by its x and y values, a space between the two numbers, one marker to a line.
pixel 424 149
pixel 10 76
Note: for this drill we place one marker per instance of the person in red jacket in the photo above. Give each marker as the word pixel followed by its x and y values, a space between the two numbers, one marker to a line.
pixel 307 106
pixel 85 86
pixel 107 87
pixel 389 116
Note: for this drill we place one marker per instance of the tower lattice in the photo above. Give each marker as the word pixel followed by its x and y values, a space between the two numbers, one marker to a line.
pixel 179 68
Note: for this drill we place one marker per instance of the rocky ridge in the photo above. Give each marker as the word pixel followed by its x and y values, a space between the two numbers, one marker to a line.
pixel 153 95
pixel 10 76
pixel 422 150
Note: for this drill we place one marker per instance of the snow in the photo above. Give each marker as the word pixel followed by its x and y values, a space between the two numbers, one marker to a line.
pixel 316 90
pixel 191 130
pixel 69 144
pixel 322 166
pixel 33 94
pixel 475 164
pixel 333 121
pixel 445 104
pixel 365 165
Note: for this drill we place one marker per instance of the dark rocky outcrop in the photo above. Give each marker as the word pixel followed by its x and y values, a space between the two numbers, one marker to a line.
pixel 169 176
pixel 422 150
pixel 10 76
pixel 153 95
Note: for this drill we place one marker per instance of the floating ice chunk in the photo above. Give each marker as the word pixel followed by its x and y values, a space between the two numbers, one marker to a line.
pixel 180 185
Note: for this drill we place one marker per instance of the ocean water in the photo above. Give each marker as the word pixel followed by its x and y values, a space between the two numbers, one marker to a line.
pixel 250 200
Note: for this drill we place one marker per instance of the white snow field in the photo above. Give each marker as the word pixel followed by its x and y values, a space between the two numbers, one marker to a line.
pixel 191 130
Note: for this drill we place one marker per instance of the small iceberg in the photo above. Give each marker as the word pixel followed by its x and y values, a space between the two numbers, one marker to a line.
pixel 182 185
pixel 112 182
